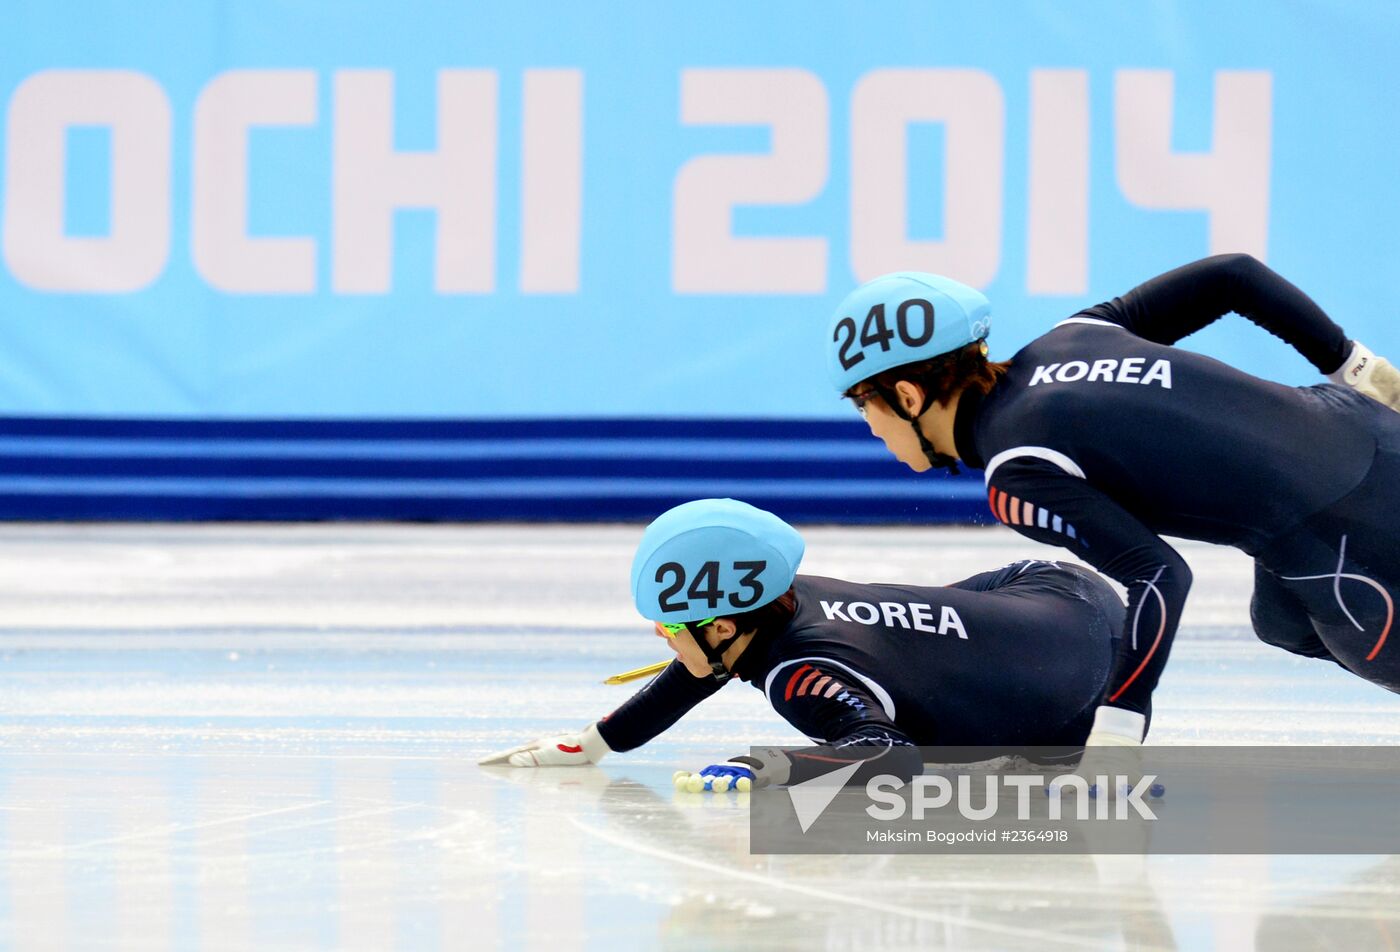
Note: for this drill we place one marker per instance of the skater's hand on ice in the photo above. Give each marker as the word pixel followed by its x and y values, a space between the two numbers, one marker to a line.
pixel 743 773
pixel 563 750
pixel 716 777
pixel 1374 376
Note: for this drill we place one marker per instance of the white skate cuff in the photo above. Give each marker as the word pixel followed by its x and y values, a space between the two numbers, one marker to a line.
pixel 1116 727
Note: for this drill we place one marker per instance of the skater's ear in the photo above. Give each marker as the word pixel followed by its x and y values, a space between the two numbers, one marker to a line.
pixel 722 628
pixel 911 397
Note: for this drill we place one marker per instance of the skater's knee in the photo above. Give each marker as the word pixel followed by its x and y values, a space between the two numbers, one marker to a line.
pixel 1281 620
pixel 1294 635
pixel 1308 646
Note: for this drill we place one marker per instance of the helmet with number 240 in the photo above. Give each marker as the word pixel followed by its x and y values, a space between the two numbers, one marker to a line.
pixel 899 319
pixel 713 557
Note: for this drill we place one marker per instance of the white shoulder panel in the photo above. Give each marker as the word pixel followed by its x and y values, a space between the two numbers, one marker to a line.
pixel 1088 320
pixel 1039 452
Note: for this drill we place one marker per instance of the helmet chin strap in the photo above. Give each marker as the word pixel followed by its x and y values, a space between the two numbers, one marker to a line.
pixel 936 459
pixel 714 653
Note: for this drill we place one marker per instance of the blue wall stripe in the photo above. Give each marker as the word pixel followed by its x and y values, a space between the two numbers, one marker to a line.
pixel 575 509
pixel 461 470
pixel 480 489
pixel 564 467
pixel 445 449
pixel 674 428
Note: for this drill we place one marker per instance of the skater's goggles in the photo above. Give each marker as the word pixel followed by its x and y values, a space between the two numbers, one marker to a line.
pixel 862 398
pixel 675 628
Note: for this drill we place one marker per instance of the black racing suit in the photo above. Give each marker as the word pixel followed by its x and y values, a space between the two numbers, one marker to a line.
pixel 1102 437
pixel 1005 659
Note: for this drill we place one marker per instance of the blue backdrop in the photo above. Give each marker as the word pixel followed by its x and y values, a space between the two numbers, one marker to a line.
pixel 269 259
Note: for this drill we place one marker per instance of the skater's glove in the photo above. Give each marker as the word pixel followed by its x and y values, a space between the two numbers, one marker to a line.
pixel 743 773
pixel 718 778
pixel 563 750
pixel 1374 376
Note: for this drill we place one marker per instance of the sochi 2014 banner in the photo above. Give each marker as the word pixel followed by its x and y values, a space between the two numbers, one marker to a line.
pixel 538 213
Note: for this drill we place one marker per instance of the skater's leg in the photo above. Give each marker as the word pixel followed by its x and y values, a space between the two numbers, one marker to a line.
pixel 1281 620
pixel 1350 604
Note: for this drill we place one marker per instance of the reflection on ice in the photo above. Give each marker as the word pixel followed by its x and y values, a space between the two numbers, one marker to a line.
pixel 228 738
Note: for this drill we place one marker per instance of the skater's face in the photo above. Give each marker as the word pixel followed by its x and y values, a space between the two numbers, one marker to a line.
pixel 897 434
pixel 687 650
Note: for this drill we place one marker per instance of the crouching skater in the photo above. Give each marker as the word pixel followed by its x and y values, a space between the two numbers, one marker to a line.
pixel 1006 659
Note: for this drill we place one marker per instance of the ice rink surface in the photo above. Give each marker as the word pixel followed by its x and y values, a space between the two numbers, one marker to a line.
pixel 265 738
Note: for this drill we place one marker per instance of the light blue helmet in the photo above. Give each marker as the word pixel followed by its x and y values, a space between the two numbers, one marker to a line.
pixel 713 557
pixel 899 319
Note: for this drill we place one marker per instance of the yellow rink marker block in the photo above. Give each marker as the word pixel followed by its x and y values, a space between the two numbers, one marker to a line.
pixel 637 673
